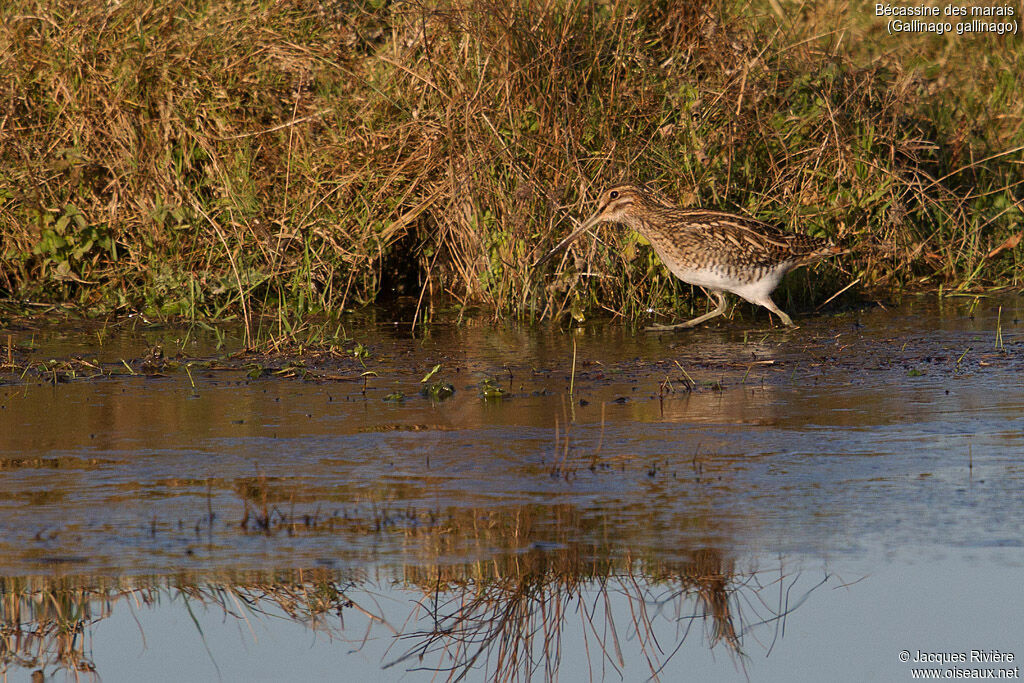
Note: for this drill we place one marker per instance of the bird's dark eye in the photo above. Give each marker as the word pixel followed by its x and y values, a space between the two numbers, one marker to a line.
pixel 614 194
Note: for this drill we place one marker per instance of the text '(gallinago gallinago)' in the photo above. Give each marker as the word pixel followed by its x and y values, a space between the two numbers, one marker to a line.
pixel 718 251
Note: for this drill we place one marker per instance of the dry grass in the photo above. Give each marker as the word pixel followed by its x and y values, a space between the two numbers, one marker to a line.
pixel 219 159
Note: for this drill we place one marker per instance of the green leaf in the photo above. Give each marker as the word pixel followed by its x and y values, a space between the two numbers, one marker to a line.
pixel 430 374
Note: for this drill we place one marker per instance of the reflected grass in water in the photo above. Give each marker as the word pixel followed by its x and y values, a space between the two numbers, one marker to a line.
pixel 504 619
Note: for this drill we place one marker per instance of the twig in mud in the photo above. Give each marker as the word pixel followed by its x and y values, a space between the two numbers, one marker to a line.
pixel 824 303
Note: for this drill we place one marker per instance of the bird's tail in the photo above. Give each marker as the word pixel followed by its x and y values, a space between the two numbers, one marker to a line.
pixel 827 251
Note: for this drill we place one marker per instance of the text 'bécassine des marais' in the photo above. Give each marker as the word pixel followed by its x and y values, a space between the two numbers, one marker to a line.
pixel 996 19
pixel 887 10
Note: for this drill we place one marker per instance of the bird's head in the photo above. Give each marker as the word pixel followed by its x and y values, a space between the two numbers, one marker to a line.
pixel 617 204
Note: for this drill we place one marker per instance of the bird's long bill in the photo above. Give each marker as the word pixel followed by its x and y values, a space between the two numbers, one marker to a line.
pixel 589 223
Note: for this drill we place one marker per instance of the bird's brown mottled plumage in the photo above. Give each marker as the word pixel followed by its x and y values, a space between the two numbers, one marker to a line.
pixel 719 251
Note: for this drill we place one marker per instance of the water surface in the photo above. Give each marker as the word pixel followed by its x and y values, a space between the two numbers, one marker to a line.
pixel 773 500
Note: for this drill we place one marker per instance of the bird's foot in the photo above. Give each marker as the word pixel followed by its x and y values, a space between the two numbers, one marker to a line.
pixel 669 328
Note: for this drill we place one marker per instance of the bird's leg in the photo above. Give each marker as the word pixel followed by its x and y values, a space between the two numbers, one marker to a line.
pixel 719 298
pixel 770 305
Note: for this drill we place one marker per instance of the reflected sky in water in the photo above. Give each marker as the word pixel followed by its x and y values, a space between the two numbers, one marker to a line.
pixel 850 628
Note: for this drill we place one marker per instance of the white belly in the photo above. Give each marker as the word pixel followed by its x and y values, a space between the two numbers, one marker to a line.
pixel 717 279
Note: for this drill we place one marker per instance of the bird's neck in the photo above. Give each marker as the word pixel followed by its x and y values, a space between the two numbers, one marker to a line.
pixel 647 222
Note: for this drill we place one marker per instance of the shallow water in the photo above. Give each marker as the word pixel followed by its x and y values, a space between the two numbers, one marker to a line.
pixel 809 494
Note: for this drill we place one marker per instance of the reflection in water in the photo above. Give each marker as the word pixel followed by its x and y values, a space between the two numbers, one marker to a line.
pixel 45 623
pixel 504 619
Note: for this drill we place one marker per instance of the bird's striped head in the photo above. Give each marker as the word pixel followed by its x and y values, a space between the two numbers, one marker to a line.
pixel 618 204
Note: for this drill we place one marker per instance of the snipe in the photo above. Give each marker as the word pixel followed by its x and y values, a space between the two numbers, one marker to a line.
pixel 718 251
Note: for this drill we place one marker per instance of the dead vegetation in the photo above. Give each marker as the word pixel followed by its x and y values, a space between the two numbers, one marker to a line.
pixel 212 160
